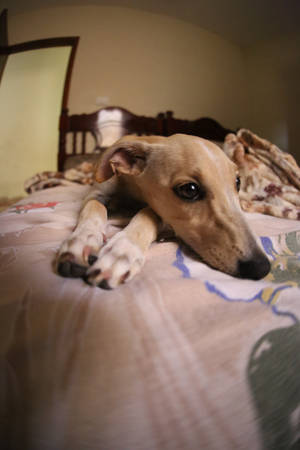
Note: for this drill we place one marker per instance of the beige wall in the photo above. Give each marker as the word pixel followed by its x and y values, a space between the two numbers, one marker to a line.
pixel 150 63
pixel 273 70
pixel 144 62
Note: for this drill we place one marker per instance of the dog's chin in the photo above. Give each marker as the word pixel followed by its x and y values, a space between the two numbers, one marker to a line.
pixel 192 253
pixel 253 268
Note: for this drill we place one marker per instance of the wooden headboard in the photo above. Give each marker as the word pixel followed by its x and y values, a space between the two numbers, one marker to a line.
pixel 81 135
pixel 204 127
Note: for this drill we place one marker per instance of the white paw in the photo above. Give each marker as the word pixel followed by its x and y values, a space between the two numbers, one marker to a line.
pixel 118 261
pixel 78 252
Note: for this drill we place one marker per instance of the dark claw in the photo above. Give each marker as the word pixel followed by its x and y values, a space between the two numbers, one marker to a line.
pixel 78 271
pixel 64 268
pixel 91 275
pixel 92 259
pixel 71 270
pixel 104 285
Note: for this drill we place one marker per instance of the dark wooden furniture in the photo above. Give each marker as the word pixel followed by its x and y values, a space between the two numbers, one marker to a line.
pixel 82 136
pixel 104 126
pixel 204 127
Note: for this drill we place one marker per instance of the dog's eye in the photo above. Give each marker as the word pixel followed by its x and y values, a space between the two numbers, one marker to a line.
pixel 189 191
pixel 238 183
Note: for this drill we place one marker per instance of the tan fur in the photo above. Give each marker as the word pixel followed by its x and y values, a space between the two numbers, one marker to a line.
pixel 146 169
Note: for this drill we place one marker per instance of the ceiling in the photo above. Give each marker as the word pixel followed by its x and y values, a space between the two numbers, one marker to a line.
pixel 244 22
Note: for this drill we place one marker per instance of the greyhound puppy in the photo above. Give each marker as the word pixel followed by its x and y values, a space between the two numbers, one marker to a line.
pixel 183 181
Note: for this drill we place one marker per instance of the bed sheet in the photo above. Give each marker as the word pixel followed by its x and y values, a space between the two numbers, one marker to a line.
pixel 181 357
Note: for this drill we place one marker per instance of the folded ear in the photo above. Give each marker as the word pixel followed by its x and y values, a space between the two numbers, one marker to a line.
pixel 127 157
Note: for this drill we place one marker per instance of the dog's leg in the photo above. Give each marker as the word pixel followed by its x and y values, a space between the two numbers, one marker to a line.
pixel 123 256
pixel 81 248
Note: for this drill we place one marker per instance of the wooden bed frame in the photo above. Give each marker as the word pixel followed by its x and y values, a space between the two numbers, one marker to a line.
pixel 82 135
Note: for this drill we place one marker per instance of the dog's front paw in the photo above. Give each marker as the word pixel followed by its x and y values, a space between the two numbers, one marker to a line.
pixel 77 253
pixel 119 260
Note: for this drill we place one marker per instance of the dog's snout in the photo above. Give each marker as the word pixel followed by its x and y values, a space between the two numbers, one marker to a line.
pixel 255 268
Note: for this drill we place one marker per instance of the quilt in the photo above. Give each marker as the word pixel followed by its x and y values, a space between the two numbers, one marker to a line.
pixel 270 178
pixel 181 357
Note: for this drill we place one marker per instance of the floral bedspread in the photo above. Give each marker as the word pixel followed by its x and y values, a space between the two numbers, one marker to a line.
pixel 181 357
pixel 270 178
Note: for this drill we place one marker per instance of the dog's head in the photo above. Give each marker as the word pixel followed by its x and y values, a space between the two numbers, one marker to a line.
pixel 193 186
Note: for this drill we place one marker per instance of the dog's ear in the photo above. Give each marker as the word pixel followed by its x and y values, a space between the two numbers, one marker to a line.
pixel 128 158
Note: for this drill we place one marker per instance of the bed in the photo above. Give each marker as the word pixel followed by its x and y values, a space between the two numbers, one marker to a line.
pixel 182 357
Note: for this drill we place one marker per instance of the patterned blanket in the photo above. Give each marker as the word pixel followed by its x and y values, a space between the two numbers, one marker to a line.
pixel 81 173
pixel 270 178
pixel 181 357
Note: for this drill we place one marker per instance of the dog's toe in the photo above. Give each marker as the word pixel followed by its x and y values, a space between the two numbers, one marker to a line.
pixel 95 277
pixel 77 253
pixel 116 264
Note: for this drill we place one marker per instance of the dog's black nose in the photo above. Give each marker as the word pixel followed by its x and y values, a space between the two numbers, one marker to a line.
pixel 255 268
